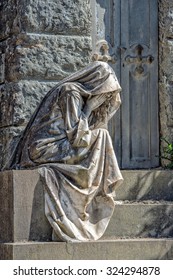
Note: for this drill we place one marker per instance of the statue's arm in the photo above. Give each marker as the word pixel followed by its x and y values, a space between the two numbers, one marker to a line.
pixel 76 122
pixel 93 103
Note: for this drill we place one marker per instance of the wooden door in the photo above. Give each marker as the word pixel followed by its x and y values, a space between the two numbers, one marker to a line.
pixel 131 29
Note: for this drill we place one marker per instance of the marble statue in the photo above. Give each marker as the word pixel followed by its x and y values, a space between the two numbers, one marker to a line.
pixel 68 141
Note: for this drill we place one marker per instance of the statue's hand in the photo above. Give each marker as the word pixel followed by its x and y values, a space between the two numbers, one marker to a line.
pixel 93 103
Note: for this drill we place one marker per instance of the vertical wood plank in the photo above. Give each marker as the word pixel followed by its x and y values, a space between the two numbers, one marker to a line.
pixel 139 79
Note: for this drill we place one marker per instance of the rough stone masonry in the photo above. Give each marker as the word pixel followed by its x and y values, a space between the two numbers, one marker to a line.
pixel 166 68
pixel 44 41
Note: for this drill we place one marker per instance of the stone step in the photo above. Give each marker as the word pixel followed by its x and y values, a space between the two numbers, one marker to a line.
pixel 117 249
pixel 141 220
pixel 146 185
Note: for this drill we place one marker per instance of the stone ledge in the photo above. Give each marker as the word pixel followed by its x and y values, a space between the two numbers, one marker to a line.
pixel 156 184
pixel 129 249
pixel 141 220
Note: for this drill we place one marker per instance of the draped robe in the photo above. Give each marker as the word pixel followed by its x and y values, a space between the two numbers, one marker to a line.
pixel 74 154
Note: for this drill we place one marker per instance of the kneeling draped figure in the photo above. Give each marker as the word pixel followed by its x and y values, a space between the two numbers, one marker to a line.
pixel 68 141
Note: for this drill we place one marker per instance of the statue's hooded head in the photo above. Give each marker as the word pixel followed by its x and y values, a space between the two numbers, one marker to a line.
pixel 97 78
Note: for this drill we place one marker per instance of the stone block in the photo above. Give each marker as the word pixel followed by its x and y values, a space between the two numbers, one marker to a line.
pixel 165 19
pixel 167 57
pixel 19 101
pixel 55 17
pixel 130 249
pixel 9 21
pixel 165 69
pixel 22 207
pixel 46 57
pixel 141 220
pixel 140 185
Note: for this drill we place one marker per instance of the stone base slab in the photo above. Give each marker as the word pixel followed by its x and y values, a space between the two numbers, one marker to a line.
pixel 22 207
pixel 129 249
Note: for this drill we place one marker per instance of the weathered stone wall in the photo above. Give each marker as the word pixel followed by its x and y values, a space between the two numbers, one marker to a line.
pixel 166 69
pixel 41 42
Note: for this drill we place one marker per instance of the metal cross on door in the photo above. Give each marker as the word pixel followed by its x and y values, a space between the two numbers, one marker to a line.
pixel 130 28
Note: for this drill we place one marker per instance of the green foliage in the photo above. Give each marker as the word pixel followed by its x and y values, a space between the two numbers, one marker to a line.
pixel 168 153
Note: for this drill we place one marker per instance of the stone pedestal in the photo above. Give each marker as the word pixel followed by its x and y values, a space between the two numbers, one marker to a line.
pixel 22 207
pixel 143 215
